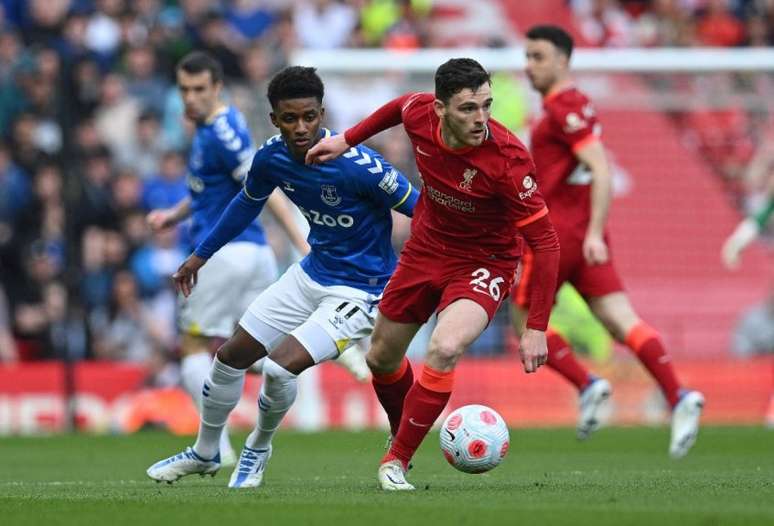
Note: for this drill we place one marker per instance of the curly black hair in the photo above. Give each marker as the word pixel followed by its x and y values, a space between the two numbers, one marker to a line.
pixel 295 82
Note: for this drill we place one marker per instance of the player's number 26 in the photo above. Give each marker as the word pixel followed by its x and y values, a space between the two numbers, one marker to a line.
pixel 479 282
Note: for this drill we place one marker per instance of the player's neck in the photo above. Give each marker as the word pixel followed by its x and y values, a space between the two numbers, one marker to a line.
pixel 216 110
pixel 557 87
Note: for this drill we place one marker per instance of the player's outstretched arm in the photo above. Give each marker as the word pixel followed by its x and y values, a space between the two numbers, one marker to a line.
pixel 544 243
pixel 162 218
pixel 240 212
pixel 279 207
pixel 327 149
pixel 187 274
pixel 385 117
pixel 745 233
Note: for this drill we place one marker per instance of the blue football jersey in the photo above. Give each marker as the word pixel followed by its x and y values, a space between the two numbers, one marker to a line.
pixel 220 157
pixel 347 202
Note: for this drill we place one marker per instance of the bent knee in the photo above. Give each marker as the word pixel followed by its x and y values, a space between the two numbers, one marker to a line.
pixel 240 354
pixel 445 352
pixel 381 360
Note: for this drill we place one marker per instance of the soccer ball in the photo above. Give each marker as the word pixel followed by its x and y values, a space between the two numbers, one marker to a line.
pixel 474 438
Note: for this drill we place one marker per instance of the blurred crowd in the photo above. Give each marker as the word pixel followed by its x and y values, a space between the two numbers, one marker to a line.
pixel 675 23
pixel 92 137
pixel 726 117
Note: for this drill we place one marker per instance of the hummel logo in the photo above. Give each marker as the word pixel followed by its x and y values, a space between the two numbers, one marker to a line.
pixel 415 423
pixel 419 150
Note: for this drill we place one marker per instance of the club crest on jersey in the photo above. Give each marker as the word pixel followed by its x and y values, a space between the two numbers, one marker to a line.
pixel 329 195
pixel 467 179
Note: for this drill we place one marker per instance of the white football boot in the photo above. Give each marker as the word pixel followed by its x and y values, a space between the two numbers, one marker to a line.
pixel 685 423
pixel 249 470
pixel 591 401
pixel 183 464
pixel 392 477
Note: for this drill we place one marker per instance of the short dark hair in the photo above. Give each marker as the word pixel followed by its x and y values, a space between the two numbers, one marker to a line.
pixel 295 82
pixel 554 34
pixel 199 61
pixel 456 74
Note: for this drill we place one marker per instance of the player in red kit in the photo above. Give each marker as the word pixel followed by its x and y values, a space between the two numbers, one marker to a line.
pixel 573 176
pixel 479 194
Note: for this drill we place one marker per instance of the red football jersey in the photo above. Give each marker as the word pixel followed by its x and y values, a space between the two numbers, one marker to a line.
pixel 569 123
pixel 474 199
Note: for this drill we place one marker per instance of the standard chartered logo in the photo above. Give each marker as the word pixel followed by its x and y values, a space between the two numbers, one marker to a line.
pixel 316 218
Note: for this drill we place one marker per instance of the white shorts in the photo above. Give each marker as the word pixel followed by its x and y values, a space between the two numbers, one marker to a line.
pixel 227 284
pixel 298 305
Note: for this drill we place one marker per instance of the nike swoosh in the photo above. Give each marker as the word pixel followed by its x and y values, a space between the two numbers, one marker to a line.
pixel 423 153
pixel 450 434
pixel 413 422
pixel 398 482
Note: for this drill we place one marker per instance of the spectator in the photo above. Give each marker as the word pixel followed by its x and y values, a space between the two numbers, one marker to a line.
pixel 168 187
pixel 8 351
pixel 142 79
pixel 754 332
pixel 116 117
pixel 129 330
pixel 323 24
pixel 718 27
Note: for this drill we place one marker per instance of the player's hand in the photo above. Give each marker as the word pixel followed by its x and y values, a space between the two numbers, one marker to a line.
pixel 327 149
pixel 732 249
pixel 595 249
pixel 533 350
pixel 186 276
pixel 160 219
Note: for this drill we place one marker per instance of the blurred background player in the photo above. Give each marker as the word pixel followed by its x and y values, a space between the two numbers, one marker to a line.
pixel 573 175
pixel 321 305
pixel 221 153
pixel 479 194
pixel 750 227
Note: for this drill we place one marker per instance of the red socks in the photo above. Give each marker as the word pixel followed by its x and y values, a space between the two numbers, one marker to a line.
pixel 562 360
pixel 644 341
pixel 391 391
pixel 424 404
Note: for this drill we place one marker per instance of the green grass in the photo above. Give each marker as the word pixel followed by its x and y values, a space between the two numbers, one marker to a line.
pixel 621 476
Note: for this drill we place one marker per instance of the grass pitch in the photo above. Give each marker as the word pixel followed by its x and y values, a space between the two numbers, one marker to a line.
pixel 619 477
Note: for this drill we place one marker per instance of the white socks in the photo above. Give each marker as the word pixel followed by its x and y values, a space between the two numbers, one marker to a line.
pixel 278 392
pixel 194 370
pixel 220 394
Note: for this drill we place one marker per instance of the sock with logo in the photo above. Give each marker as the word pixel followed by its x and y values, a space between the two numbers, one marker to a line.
pixel 391 390
pixel 194 370
pixel 562 360
pixel 644 340
pixel 278 393
pixel 220 394
pixel 424 403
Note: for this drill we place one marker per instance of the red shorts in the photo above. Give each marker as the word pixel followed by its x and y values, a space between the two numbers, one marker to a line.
pixel 591 281
pixel 424 283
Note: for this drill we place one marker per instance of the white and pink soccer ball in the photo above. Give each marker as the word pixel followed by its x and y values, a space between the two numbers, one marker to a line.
pixel 474 438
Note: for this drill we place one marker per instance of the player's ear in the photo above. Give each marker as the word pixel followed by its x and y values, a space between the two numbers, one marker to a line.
pixel 322 112
pixel 439 107
pixel 274 119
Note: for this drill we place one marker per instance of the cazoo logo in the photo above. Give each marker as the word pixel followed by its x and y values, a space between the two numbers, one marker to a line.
pixel 316 218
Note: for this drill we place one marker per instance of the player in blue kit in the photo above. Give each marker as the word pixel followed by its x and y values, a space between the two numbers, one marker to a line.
pixel 321 305
pixel 220 156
